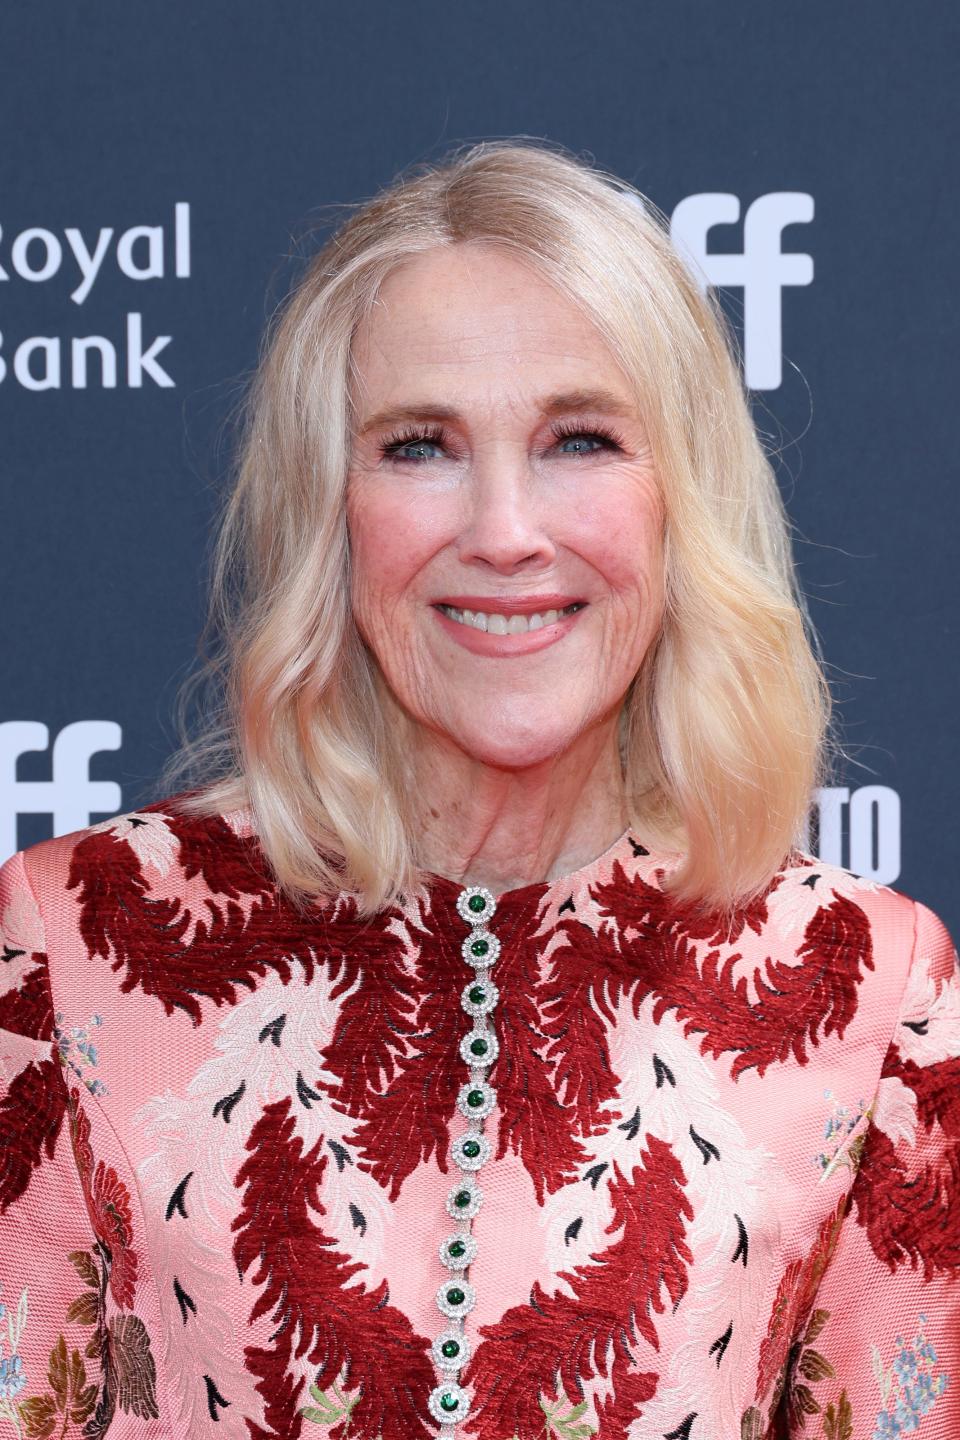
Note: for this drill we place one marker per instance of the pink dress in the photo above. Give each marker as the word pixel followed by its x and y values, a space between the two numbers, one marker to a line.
pixel 560 1163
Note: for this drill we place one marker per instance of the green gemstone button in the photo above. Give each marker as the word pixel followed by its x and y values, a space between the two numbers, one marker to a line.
pixel 477 903
pixel 449 1403
pixel 456 1248
pixel 449 1349
pixel 478 1047
pixel 455 1295
pixel 471 1149
pixel 475 1099
pixel 479 947
pixel 477 995
pixel 462 1199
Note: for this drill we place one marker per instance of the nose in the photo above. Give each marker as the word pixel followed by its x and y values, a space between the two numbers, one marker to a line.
pixel 506 519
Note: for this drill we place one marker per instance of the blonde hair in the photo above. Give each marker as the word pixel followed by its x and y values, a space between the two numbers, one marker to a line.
pixel 722 730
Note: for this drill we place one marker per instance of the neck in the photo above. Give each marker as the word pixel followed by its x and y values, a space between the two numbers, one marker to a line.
pixel 481 825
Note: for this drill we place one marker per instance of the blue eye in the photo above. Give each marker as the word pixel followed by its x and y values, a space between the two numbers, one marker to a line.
pixel 418 441
pixel 579 440
pixel 588 442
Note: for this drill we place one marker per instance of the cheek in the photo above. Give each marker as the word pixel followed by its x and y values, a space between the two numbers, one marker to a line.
pixel 391 538
pixel 621 535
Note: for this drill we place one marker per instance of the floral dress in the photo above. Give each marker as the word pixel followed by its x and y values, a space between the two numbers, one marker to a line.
pixel 562 1162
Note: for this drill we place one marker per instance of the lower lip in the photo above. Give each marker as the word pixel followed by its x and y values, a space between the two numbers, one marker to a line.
pixel 481 642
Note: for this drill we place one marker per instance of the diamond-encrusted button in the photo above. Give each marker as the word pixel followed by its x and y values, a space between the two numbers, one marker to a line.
pixel 480 949
pixel 479 997
pixel 479 1047
pixel 476 904
pixel 455 1299
pixel 464 1199
pixel 451 1350
pixel 476 1100
pixel 448 1403
pixel 458 1251
pixel 471 1152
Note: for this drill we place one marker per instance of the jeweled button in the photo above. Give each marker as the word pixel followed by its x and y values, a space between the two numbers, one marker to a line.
pixel 475 904
pixel 456 1301
pixel 479 1048
pixel 458 1251
pixel 481 949
pixel 472 1151
pixel 477 994
pixel 464 1200
pixel 448 1403
pixel 476 1100
pixel 450 1351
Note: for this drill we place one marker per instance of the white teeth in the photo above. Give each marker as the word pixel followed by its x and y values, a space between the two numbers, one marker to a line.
pixel 506 624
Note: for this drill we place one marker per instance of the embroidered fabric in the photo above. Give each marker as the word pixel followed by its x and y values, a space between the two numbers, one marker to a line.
pixel 695 1180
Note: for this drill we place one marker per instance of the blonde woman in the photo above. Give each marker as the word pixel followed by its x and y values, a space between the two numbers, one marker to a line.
pixel 464 1046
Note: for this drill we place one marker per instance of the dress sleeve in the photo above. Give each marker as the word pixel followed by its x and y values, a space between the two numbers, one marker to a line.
pixel 52 1269
pixel 880 1354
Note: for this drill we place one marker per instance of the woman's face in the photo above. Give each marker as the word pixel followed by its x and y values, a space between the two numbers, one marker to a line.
pixel 499 471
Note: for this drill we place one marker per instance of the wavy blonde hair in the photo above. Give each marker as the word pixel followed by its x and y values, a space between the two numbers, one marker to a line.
pixel 722 729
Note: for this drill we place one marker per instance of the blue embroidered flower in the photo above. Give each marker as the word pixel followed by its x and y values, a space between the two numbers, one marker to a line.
pixel 924 1392
pixel 887 1427
pixel 905 1365
pixel 925 1350
pixel 907 1417
pixel 77 1050
pixel 12 1378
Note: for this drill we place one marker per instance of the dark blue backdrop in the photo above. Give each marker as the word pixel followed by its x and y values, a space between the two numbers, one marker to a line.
pixel 250 117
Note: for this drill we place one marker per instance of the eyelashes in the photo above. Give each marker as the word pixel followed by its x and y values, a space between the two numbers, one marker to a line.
pixel 435 435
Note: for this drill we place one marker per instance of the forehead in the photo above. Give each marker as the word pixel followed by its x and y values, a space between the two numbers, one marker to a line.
pixel 474 312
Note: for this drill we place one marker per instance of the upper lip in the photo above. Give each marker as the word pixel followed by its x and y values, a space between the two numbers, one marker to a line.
pixel 510 604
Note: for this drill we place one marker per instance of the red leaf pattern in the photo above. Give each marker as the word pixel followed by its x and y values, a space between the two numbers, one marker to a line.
pixel 638 1039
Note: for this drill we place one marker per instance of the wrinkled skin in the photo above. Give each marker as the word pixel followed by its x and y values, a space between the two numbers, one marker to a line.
pixel 517 755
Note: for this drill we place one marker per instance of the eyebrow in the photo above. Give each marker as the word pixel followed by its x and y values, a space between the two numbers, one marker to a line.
pixel 605 402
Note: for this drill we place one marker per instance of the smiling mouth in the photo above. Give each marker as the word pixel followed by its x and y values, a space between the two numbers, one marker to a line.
pixel 495 624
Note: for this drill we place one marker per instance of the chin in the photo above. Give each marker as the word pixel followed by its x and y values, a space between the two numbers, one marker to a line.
pixel 510 747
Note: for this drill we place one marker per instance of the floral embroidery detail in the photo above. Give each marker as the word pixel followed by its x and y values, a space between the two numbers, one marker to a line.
pixel 910 1387
pixel 841 1123
pixel 569 1426
pixel 77 1050
pixel 108 1203
pixel 330 1407
pixel 805 1366
pixel 793 1312
pixel 121 1345
pixel 12 1376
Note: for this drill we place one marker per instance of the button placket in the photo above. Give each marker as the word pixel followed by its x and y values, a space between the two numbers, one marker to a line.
pixel 449 1402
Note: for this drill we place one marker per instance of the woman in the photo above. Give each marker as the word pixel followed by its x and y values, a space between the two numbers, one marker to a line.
pixel 473 1052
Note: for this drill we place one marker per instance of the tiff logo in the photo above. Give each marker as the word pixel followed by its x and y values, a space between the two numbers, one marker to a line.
pixel 761 270
pixel 865 823
pixel 70 795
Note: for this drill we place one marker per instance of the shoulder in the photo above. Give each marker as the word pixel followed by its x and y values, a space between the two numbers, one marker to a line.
pixel 897 933
pixel 156 845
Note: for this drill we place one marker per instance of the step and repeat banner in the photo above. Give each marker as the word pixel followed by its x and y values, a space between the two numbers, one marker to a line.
pixel 166 171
